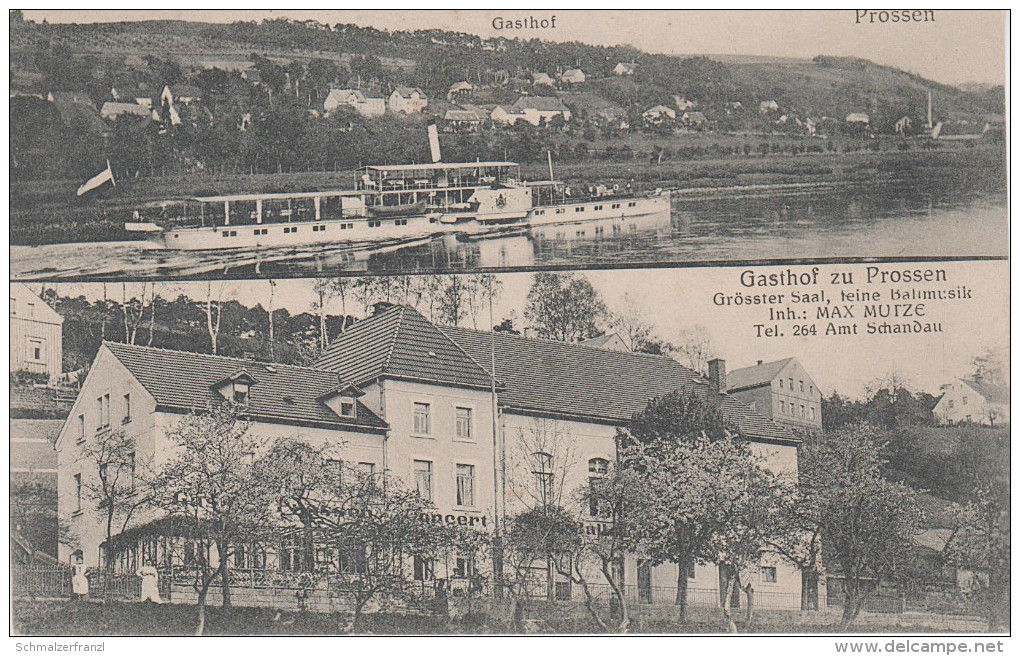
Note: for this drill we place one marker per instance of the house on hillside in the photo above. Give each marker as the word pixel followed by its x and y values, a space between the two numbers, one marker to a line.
pixel 682 104
pixel 781 390
pixel 460 89
pixel 456 413
pixel 364 104
pixel 624 68
pixel 972 401
pixel 857 118
pixel 182 94
pixel 903 125
pixel 572 76
pixel 766 106
pixel 36 333
pixel 111 111
pixel 463 120
pixel 507 115
pixel 543 80
pixel 408 100
pixel 694 119
pixel 658 115
pixel 541 109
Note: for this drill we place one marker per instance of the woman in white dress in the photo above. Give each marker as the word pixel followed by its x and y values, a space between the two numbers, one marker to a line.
pixel 150 583
pixel 79 582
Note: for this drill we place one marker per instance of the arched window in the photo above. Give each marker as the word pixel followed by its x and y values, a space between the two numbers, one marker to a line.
pixel 542 471
pixel 598 468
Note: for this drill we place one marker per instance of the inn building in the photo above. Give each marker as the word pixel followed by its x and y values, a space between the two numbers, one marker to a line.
pixel 482 424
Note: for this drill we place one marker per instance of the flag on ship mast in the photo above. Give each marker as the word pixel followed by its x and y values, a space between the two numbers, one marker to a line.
pixel 98 180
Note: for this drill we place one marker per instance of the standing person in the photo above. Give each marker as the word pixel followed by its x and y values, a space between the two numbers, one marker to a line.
pixel 79 582
pixel 150 583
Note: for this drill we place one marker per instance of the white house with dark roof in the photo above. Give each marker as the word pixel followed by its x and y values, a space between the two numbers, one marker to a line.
pixel 36 333
pixel 433 406
pixel 973 401
pixel 781 390
pixel 408 100
pixel 541 109
pixel 572 76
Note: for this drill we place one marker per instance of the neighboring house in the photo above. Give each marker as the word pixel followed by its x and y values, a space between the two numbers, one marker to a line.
pixel 572 76
pixel 466 120
pixel 36 333
pixel 781 390
pixel 507 115
pixel 541 109
pixel 364 104
pixel 183 94
pixel 458 89
pixel 903 125
pixel 859 118
pixel 408 100
pixel 542 79
pixel 400 392
pixel 624 68
pixel 111 111
pixel 970 401
pixel 658 115
pixel 766 106
pixel 696 119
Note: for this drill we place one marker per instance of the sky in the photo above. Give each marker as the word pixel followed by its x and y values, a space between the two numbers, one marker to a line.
pixel 676 301
pixel 956 47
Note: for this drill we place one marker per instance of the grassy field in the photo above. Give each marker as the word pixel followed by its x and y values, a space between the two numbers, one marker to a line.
pixel 46 211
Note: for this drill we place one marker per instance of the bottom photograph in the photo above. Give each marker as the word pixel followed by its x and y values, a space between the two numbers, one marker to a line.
pixel 781 450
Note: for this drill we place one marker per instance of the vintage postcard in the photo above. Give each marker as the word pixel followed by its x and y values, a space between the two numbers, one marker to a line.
pixel 199 144
pixel 510 323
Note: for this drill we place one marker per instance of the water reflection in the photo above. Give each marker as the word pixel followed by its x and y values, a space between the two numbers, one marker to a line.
pixel 884 222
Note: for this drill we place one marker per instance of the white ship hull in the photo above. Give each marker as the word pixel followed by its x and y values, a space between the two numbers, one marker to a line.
pixel 360 229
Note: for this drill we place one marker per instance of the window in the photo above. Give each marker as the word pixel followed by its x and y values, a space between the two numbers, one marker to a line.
pixel 81 428
pixel 768 574
pixel 543 474
pixel 347 407
pixel 801 412
pixel 127 408
pixel 424 569
pixel 366 468
pixel 465 485
pixel 615 206
pixel 781 383
pixel 964 399
pixel 31 310
pixel 791 384
pixel 464 424
pixel 103 412
pixel 35 348
pixel 261 231
pixel 950 404
pixel 422 419
pixel 77 493
pixel 632 204
pixel 353 560
pixel 597 468
pixel 464 567
pixel 240 392
pixel 374 224
pixel 811 412
pixel 782 407
pixel 560 210
pixel 400 222
pixel 423 479
pixel 562 590
pixel 578 209
pixel 597 207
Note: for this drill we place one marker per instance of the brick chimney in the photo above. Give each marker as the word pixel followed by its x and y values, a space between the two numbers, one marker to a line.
pixel 717 374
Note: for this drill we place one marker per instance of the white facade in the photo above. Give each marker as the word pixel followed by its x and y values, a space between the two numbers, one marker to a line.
pixel 408 101
pixel 966 402
pixel 36 333
pixel 366 106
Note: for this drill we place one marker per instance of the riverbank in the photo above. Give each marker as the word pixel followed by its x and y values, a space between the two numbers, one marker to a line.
pixel 45 212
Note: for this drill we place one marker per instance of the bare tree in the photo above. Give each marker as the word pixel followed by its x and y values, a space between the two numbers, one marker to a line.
pixel 694 349
pixel 631 325
pixel 213 314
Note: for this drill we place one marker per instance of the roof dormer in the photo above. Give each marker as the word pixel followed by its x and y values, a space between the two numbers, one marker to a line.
pixel 343 400
pixel 236 388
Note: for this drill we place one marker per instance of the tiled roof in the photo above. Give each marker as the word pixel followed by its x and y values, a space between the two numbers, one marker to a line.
pixel 991 391
pixel 401 343
pixel 461 115
pixel 118 108
pixel 183 381
pixel 546 376
pixel 407 91
pixel 761 374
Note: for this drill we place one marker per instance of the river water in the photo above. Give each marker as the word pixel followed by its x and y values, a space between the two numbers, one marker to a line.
pixel 885 222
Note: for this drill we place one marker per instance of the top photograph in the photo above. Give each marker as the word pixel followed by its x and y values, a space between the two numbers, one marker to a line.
pixel 194 144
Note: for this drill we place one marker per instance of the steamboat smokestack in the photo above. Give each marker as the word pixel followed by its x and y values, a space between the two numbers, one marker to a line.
pixel 434 142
